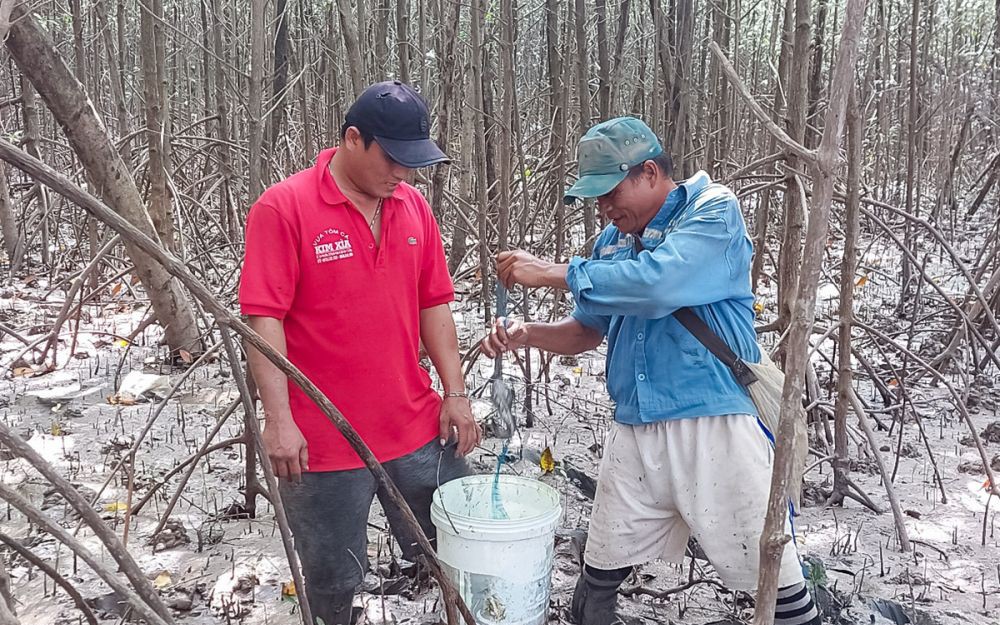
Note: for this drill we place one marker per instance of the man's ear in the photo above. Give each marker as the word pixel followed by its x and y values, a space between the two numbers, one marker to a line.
pixel 352 138
pixel 650 168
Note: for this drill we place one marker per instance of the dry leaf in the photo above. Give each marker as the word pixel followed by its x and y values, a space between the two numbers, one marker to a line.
pixel 758 308
pixel 547 462
pixel 56 429
pixel 162 580
pixel 119 399
pixel 863 280
pixel 116 506
pixel 22 371
pixel 186 356
pixel 116 290
pixel 288 589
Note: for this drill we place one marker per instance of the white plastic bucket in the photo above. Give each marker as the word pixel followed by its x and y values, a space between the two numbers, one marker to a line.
pixel 501 567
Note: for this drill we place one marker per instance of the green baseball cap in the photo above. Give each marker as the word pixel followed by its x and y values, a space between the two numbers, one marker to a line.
pixel 607 152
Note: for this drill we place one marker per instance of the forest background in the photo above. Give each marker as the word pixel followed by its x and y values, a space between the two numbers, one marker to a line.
pixel 870 192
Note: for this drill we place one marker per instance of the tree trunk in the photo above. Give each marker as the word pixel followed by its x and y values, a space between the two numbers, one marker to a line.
pixel 256 98
pixel 402 39
pixel 777 110
pixel 848 270
pixel 448 102
pixel 624 11
pixel 816 76
pixel 557 114
pixel 280 78
pixel 227 206
pixel 773 539
pixel 160 208
pixel 353 47
pixel 32 139
pixel 680 105
pixel 482 192
pixel 8 225
pixel 790 255
pixel 37 58
pixel 583 102
pixel 604 84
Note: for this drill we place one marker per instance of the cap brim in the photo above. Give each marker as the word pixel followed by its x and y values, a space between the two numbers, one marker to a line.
pixel 593 185
pixel 413 154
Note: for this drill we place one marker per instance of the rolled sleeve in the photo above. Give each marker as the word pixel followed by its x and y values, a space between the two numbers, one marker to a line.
pixel 577 281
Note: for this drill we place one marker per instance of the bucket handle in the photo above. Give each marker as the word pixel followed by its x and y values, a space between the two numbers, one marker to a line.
pixel 440 496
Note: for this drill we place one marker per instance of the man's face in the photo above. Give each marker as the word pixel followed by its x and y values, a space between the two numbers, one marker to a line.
pixel 374 172
pixel 632 204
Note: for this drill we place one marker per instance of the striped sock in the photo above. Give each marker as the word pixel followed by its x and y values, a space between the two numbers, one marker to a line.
pixel 795 606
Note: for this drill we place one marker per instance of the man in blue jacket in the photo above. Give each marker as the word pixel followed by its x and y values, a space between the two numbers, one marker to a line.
pixel 685 454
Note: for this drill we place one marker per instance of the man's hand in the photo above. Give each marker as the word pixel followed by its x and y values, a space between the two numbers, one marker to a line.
pixel 286 447
pixel 506 336
pixel 457 419
pixel 520 267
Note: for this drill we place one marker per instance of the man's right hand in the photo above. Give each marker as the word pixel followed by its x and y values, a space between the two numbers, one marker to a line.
pixel 286 447
pixel 507 335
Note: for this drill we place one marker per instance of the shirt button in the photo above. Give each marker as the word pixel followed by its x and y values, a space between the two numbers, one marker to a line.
pixel 371 246
pixel 639 336
pixel 642 376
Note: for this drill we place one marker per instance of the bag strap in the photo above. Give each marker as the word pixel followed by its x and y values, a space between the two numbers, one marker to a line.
pixel 713 343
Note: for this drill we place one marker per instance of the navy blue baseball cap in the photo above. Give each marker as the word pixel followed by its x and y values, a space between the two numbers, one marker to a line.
pixel 396 115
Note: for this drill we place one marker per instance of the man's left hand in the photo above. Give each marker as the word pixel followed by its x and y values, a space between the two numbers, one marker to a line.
pixel 520 267
pixel 457 419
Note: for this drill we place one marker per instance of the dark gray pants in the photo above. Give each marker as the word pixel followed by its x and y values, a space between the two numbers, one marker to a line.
pixel 328 514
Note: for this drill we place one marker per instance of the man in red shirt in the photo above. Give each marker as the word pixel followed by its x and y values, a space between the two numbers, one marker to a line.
pixel 345 273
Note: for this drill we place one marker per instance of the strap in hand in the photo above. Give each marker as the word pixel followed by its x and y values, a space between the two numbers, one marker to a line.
pixel 713 343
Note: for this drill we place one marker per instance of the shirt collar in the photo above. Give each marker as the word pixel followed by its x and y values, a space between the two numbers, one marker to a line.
pixel 328 189
pixel 676 200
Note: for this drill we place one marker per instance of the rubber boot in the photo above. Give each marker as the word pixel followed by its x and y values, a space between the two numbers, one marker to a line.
pixel 332 608
pixel 596 595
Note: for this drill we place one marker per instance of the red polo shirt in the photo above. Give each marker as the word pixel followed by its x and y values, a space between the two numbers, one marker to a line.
pixel 351 310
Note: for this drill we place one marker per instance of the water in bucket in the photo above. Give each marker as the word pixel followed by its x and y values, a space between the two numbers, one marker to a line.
pixel 497 510
pixel 501 567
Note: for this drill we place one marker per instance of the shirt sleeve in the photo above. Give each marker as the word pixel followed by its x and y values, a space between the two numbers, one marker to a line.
pixel 692 266
pixel 270 264
pixel 435 286
pixel 601 323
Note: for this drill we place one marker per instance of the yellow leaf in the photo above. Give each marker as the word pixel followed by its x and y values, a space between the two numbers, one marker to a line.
pixel 116 506
pixel 162 580
pixel 863 280
pixel 121 343
pixel 578 370
pixel 758 308
pixel 547 462
pixel 288 589
pixel 56 429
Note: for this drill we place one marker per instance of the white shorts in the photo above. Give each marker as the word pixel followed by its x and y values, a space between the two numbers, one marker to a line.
pixel 661 482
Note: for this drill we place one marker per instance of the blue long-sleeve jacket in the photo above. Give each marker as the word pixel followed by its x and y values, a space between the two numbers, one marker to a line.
pixel 695 252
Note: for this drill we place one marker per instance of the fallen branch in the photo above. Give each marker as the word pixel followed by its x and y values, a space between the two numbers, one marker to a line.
pixel 46 569
pixel 36 516
pixel 87 514
pixel 663 594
